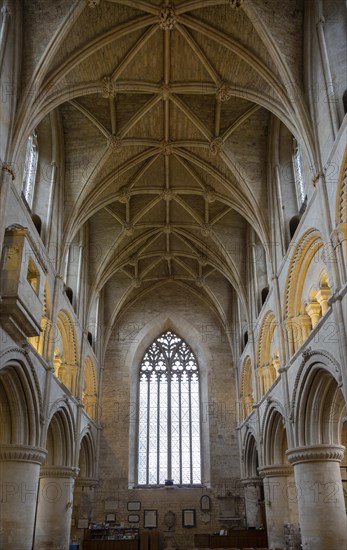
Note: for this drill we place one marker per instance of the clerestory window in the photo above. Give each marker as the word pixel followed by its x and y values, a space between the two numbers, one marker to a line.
pixel 30 168
pixel 298 174
pixel 169 448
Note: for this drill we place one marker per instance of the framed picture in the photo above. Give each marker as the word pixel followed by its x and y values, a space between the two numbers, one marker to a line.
pixel 150 519
pixel 133 518
pixel 134 506
pixel 110 517
pixel 205 503
pixel 188 518
pixel 82 523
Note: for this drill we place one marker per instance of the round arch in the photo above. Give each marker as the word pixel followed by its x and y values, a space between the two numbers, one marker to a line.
pixel 318 403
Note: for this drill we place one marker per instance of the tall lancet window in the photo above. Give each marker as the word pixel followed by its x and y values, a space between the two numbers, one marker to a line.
pixel 169 414
pixel 30 169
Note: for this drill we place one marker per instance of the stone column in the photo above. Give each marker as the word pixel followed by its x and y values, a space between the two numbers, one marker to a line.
pixel 320 496
pixel 54 509
pixel 19 475
pixel 252 497
pixel 314 311
pixel 277 481
pixel 322 297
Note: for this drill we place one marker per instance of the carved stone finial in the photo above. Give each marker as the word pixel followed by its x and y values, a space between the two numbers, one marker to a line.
pixel 216 146
pixel 93 3
pixel 124 195
pixel 235 3
pixel 108 89
pixel 167 18
pixel 166 148
pixel 115 143
pixel 224 92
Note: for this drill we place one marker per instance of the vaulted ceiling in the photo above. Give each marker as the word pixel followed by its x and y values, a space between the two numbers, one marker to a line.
pixel 165 113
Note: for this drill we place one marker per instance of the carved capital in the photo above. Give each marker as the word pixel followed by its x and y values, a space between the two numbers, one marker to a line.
pixel 59 472
pixel 216 146
pixel 316 453
pixel 22 453
pixel 167 18
pixel 108 89
pixel 280 470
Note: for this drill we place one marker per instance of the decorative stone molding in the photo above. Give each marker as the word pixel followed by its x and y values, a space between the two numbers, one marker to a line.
pixel 167 18
pixel 22 453
pixel 166 148
pixel 280 470
pixel 86 482
pixel 165 90
pixel 235 3
pixel 168 194
pixel 168 257
pixel 316 453
pixel 133 260
pixel 200 282
pixel 167 229
pixel 59 472
pixel 93 3
pixel 202 260
pixel 206 230
pixel 252 481
pixel 137 283
pixel 108 89
pixel 128 228
pixel 224 92
pixel 9 169
pixel 115 143
pixel 124 195
pixel 216 146
pixel 210 196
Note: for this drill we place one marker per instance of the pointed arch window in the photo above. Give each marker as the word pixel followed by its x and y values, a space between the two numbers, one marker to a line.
pixel 169 414
pixel 30 169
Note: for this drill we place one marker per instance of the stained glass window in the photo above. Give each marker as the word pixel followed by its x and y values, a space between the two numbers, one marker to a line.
pixel 169 414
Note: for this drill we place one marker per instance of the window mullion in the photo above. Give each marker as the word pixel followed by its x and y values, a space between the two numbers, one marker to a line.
pixel 148 420
pixel 180 424
pixel 169 442
pixel 158 427
pixel 190 431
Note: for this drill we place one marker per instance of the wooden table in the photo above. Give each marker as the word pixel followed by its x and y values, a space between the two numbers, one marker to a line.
pixel 238 538
pixel 110 545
